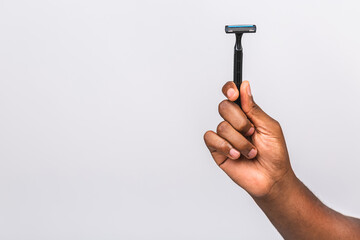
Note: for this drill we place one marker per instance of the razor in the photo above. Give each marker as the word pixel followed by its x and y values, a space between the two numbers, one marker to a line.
pixel 238 52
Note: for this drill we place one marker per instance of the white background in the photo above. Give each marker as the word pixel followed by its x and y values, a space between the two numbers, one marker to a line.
pixel 103 105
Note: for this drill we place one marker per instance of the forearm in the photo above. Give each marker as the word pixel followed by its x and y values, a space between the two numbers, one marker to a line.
pixel 250 147
pixel 298 214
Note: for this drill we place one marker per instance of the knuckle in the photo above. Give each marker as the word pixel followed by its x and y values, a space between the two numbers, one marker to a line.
pixel 223 147
pixel 254 108
pixel 207 135
pixel 222 127
pixel 242 124
pixel 223 105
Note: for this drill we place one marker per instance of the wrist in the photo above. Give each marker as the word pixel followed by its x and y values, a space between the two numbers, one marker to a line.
pixel 282 189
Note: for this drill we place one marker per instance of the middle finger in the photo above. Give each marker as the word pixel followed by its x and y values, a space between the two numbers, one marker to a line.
pixel 233 114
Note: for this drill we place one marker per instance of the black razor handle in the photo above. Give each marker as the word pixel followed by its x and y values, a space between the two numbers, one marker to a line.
pixel 238 63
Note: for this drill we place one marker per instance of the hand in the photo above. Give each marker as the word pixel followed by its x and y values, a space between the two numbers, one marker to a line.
pixel 249 145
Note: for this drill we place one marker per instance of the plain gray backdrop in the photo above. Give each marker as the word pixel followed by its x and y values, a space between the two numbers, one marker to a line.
pixel 103 107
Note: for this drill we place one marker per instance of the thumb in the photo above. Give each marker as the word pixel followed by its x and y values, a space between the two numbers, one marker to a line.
pixel 256 115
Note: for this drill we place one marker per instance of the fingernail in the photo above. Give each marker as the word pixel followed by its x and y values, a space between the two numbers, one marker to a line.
pixel 252 153
pixel 234 153
pixel 249 90
pixel 250 132
pixel 230 93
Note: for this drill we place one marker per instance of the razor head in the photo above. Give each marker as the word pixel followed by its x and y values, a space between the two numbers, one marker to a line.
pixel 240 29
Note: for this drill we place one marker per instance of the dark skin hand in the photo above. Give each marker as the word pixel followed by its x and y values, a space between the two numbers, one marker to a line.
pixel 250 148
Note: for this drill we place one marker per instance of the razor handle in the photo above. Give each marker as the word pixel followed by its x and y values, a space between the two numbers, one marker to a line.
pixel 238 59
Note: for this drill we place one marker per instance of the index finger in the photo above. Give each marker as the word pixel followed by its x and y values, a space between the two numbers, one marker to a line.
pixel 230 91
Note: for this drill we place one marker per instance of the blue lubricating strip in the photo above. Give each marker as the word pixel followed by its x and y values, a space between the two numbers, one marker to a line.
pixel 241 26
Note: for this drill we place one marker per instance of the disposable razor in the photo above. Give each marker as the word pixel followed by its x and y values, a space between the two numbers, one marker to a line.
pixel 238 52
